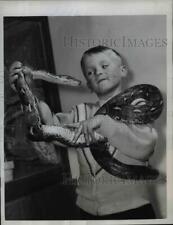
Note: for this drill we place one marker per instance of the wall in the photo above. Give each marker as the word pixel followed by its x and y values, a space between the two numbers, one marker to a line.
pixel 140 39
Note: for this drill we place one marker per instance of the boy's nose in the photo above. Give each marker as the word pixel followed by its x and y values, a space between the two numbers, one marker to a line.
pixel 98 71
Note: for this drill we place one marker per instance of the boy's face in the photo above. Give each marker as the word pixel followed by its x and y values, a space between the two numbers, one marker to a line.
pixel 103 72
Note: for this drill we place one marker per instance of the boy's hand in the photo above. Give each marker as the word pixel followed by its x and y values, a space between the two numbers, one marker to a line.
pixel 87 127
pixel 14 72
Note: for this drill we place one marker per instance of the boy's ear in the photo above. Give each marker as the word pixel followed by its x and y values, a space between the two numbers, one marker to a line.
pixel 124 70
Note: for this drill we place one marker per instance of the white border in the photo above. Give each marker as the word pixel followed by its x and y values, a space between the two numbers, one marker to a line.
pixel 74 8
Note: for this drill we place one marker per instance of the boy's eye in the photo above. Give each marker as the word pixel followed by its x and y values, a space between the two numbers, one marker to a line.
pixel 105 66
pixel 90 73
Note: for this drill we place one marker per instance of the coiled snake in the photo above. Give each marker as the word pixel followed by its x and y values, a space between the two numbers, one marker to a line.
pixel 140 104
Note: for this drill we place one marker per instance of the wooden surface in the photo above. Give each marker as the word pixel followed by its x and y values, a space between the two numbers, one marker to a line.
pixel 36 191
pixel 32 182
pixel 55 202
pixel 27 40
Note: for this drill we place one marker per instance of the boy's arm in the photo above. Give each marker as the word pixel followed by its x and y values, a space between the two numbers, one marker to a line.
pixel 50 118
pixel 57 119
pixel 45 150
pixel 16 71
pixel 135 141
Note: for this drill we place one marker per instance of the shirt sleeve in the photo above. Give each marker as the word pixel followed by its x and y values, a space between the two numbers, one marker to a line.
pixel 63 118
pixel 136 141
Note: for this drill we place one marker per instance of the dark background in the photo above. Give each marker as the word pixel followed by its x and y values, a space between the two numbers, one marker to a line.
pixel 36 190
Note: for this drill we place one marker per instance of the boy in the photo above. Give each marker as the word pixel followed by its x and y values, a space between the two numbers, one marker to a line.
pixel 99 194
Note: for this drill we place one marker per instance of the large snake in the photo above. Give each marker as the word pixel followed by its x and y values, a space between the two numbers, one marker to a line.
pixel 140 104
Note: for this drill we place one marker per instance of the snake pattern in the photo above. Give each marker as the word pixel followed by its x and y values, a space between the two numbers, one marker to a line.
pixel 140 104
pixel 52 78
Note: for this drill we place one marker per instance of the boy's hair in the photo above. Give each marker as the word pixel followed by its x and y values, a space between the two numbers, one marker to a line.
pixel 95 50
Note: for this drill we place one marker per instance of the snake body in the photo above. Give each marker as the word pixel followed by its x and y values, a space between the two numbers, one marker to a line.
pixel 57 79
pixel 51 78
pixel 139 104
pixel 38 131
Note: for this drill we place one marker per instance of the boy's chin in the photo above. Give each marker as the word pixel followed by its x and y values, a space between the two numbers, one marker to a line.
pixel 108 90
pixel 105 93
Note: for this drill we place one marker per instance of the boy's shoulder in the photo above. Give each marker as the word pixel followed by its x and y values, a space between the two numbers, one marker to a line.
pixel 87 108
pixel 91 104
pixel 88 104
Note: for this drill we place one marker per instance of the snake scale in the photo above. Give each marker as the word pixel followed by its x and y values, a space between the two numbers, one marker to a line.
pixel 139 104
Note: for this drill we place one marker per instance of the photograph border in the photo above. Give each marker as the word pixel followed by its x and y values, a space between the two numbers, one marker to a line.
pixel 94 8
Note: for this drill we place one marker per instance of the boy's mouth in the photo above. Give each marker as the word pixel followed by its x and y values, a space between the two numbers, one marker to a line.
pixel 100 80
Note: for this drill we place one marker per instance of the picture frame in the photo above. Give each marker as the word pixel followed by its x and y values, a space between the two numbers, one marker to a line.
pixel 97 8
